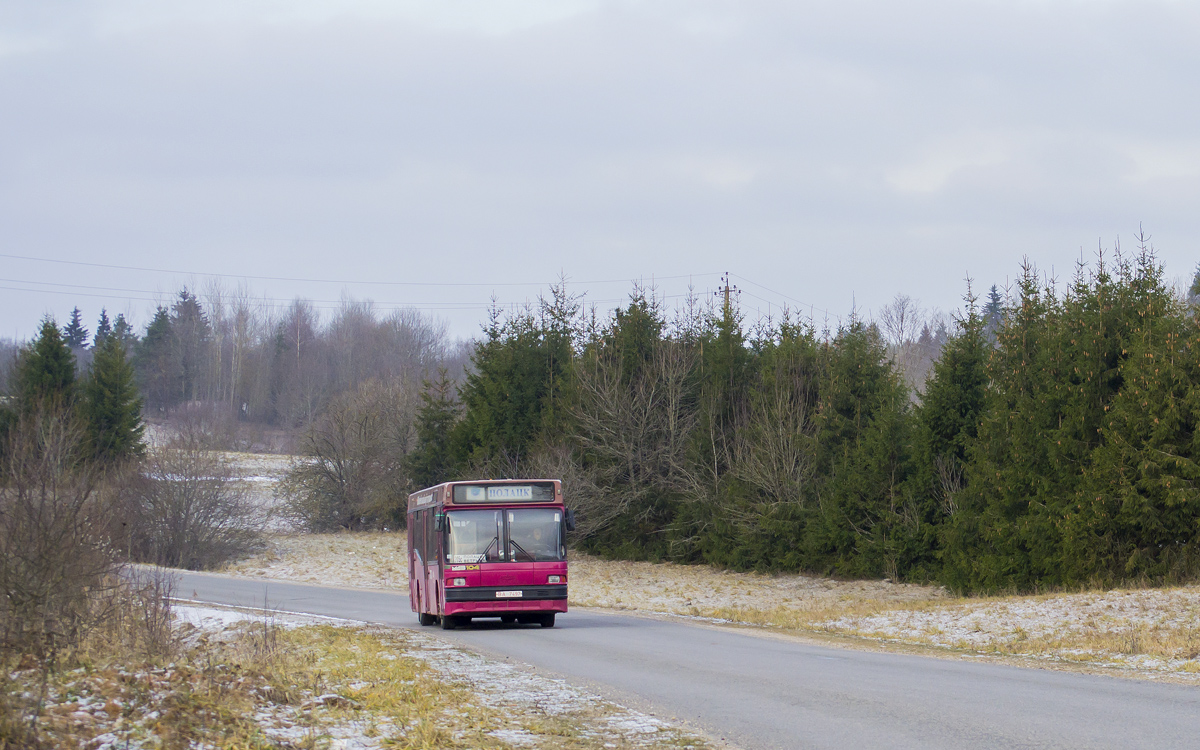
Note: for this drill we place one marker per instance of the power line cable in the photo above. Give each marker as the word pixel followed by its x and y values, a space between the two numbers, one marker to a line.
pixel 229 296
pixel 129 298
pixel 158 296
pixel 329 281
pixel 781 294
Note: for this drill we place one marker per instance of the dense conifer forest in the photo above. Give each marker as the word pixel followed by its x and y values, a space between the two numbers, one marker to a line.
pixel 1054 443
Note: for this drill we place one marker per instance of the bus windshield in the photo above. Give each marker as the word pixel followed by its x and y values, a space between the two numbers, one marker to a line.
pixel 473 536
pixel 535 534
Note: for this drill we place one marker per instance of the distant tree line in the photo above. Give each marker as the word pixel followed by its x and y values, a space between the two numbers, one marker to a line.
pixel 278 367
pixel 1054 442
pixel 261 364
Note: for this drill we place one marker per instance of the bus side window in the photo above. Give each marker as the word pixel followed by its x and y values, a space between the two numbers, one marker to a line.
pixel 418 536
pixel 431 545
pixel 431 537
pixel 423 525
pixel 501 537
pixel 409 539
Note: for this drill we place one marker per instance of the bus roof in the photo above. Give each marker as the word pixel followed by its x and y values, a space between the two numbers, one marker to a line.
pixel 488 492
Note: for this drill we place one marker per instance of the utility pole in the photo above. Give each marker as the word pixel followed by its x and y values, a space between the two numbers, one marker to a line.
pixel 727 290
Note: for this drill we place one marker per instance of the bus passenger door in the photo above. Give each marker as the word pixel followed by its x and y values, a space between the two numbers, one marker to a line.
pixel 418 556
pixel 429 556
pixel 413 595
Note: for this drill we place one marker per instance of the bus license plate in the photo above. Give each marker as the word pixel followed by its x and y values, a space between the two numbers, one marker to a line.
pixel 508 594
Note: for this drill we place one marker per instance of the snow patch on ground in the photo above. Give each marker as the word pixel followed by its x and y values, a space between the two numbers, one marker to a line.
pixel 211 618
pixel 1109 628
pixel 516 690
pixel 208 617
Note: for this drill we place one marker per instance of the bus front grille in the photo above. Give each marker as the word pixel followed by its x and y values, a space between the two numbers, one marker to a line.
pixel 505 593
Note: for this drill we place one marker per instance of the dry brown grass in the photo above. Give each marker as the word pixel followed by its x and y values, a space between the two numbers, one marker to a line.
pixel 368 559
pixel 700 590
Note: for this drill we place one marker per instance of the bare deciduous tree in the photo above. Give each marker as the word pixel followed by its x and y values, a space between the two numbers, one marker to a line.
pixel 634 433
pixel 774 449
pixel 914 338
pixel 901 320
pixel 353 473
pixel 951 476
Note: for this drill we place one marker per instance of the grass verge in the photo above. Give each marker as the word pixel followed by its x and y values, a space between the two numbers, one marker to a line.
pixel 263 684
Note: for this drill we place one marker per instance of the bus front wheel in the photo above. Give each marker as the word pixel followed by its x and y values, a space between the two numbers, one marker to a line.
pixel 449 622
pixel 547 621
pixel 426 619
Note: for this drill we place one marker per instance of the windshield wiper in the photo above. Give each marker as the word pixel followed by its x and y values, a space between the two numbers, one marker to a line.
pixel 522 550
pixel 496 542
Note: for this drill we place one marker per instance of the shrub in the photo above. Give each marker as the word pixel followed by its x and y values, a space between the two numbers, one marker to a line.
pixel 354 475
pixel 184 509
pixel 51 557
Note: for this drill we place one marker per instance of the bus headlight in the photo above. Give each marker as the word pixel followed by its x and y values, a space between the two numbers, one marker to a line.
pixel 459 582
pixel 554 579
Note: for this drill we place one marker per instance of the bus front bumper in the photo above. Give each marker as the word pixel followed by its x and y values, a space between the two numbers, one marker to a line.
pixel 481 600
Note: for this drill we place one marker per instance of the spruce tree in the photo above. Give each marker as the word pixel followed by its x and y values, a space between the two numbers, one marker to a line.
pixel 993 313
pixel 1136 515
pixel 619 428
pixel 635 333
pixel 124 333
pixel 947 425
pixel 954 396
pixel 983 540
pixel 725 362
pixel 103 328
pixel 866 522
pixel 520 388
pixel 432 460
pixel 110 405
pixel 75 334
pixel 191 333
pixel 770 493
pixel 707 523
pixel 45 373
pixel 156 368
pixel 502 397
pixel 1056 372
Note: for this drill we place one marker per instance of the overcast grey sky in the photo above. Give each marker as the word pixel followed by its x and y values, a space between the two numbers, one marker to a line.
pixel 826 154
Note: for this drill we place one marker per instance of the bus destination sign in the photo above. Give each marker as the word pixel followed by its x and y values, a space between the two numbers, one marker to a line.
pixel 498 493
pixel 533 492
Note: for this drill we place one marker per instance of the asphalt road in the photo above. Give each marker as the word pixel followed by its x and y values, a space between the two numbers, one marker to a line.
pixel 771 692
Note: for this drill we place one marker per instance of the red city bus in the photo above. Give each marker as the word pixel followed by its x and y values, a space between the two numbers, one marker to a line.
pixel 490 548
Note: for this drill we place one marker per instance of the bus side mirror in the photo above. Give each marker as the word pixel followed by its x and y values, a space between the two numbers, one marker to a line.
pixel 439 521
pixel 570 520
